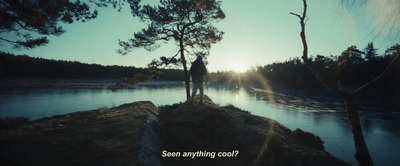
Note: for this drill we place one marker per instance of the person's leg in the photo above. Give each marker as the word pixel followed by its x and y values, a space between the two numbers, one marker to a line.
pixel 195 87
pixel 201 92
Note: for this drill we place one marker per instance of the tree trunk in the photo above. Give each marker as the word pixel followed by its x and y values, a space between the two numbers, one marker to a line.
pixel 187 84
pixel 362 154
pixel 182 50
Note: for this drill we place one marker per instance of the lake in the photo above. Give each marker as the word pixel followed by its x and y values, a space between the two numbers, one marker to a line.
pixel 321 115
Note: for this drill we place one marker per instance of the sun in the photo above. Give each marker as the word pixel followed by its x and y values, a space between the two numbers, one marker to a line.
pixel 238 67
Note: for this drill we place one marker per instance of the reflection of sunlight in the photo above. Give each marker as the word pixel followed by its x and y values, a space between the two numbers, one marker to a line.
pixel 237 97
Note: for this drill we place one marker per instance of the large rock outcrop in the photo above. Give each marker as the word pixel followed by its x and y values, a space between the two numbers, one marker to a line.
pixel 249 139
pixel 189 133
pixel 124 135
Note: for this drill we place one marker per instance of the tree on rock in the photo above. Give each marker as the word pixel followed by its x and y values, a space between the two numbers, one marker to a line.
pixel 187 22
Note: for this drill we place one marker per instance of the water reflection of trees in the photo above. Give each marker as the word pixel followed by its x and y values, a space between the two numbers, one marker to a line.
pixel 306 102
pixel 319 105
pixel 387 122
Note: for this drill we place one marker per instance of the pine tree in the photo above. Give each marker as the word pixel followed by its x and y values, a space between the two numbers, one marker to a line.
pixel 370 52
pixel 356 56
pixel 27 23
pixel 393 50
pixel 187 22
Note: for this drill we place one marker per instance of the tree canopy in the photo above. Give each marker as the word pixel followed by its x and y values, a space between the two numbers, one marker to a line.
pixel 187 22
pixel 28 22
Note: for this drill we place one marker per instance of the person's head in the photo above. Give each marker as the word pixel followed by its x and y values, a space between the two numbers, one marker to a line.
pixel 199 58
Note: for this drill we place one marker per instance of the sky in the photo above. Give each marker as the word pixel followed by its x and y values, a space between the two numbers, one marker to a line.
pixel 257 32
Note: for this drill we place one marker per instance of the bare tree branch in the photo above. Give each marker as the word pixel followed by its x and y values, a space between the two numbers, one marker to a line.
pixel 362 153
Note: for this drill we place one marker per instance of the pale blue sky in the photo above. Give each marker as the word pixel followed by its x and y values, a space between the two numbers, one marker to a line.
pixel 257 32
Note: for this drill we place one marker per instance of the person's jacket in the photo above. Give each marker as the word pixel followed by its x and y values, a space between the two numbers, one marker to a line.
pixel 198 71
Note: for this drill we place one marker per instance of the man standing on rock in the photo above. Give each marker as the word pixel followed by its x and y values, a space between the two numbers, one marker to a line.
pixel 198 71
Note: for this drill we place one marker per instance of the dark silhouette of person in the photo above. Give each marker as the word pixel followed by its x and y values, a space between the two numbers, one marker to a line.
pixel 198 70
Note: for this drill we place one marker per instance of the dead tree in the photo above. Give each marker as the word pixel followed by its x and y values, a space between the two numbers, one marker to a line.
pixel 362 154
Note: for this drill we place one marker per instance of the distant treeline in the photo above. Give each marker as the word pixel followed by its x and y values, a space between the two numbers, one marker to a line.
pixel 360 67
pixel 23 66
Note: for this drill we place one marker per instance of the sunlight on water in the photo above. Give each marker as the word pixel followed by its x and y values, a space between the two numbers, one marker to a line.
pixel 328 120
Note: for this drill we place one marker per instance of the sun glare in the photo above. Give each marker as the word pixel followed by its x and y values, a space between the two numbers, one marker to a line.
pixel 238 67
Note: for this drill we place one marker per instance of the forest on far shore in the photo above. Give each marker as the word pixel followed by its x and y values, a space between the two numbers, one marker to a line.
pixel 361 67
pixel 24 66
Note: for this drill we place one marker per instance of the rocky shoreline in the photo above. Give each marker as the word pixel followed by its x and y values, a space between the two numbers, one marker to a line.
pixel 139 133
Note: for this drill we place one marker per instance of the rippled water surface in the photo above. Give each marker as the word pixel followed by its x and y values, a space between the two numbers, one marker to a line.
pixel 323 116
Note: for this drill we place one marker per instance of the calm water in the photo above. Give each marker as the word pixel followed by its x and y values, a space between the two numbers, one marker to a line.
pixel 325 118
